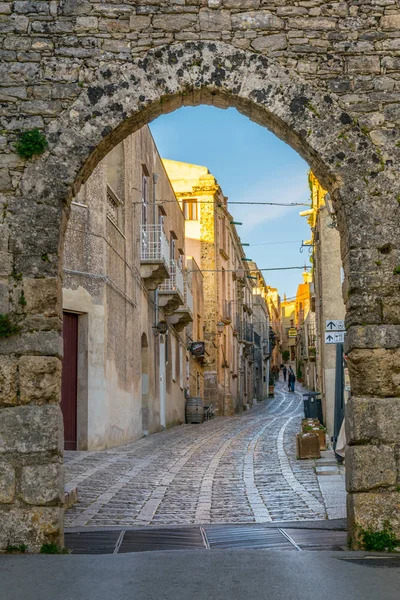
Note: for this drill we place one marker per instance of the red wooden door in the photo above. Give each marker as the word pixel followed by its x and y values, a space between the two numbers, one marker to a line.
pixel 69 379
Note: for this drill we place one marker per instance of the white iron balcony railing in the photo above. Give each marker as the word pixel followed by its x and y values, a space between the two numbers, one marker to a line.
pixel 175 281
pixel 154 244
pixel 188 298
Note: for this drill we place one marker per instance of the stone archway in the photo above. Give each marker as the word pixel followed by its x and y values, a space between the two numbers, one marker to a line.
pixel 365 194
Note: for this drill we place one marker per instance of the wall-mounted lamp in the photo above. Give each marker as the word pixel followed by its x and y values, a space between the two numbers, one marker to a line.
pixel 161 328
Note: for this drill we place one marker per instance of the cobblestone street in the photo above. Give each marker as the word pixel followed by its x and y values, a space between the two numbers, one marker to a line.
pixel 241 469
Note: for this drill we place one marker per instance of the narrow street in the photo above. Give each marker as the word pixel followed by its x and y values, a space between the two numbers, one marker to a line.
pixel 241 469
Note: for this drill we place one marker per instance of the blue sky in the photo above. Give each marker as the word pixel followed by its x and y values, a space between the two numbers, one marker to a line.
pixel 252 165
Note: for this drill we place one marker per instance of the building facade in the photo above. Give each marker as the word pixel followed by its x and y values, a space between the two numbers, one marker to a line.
pixel 262 329
pixel 126 302
pixel 329 303
pixel 213 242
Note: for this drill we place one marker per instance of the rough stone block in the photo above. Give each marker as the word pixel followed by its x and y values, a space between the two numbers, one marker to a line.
pixel 139 22
pixel 241 4
pixel 8 380
pixel 375 372
pixel 39 342
pixel 34 526
pixel 391 22
pixel 210 20
pixel 42 296
pixel 364 64
pixel 42 484
pixel 86 24
pixel 33 428
pixel 316 23
pixel 174 22
pixel 7 483
pixel 40 379
pixel 369 467
pixel 261 19
pixel 373 420
pixel 372 336
pixel 372 511
pixel 270 43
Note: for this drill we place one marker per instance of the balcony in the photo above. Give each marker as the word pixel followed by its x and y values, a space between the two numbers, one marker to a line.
pixel 226 316
pixel 183 315
pixel 245 332
pixel 172 292
pixel 154 256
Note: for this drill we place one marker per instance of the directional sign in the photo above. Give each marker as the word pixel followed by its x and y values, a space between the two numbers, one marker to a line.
pixel 335 325
pixel 292 332
pixel 334 338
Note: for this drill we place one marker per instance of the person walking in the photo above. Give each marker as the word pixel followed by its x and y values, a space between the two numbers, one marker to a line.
pixel 291 380
pixel 284 373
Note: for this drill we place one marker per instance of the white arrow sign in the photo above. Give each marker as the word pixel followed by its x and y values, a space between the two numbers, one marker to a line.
pixel 335 325
pixel 334 338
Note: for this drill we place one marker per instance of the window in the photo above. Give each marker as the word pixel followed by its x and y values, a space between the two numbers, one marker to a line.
pixel 145 198
pixel 172 243
pixel 190 210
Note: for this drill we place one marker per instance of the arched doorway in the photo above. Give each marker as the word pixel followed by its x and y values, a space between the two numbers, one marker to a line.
pixel 363 188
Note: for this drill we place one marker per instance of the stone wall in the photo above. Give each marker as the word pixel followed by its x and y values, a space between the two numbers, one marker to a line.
pixel 322 76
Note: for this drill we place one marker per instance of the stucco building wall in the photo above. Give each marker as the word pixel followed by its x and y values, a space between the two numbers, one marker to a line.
pixel 329 305
pixel 117 312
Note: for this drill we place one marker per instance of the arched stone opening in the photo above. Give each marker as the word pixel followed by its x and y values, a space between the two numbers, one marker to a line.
pixel 365 195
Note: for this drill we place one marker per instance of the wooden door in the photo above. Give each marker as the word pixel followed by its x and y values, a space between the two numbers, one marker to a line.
pixel 69 379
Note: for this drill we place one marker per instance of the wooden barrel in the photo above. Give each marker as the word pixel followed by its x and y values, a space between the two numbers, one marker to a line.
pixel 194 410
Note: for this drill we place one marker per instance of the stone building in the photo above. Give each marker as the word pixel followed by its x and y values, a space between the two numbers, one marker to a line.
pixel 276 334
pixel 212 241
pixel 289 331
pixel 329 303
pixel 97 72
pixel 261 333
pixel 126 302
pixel 302 307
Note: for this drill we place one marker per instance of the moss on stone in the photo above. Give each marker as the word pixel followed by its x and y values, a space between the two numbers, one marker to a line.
pixel 31 143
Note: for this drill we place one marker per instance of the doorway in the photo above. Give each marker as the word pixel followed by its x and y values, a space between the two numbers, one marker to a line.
pixel 69 382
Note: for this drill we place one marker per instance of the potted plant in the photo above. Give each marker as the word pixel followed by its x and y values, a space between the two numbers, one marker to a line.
pixel 271 386
pixel 299 374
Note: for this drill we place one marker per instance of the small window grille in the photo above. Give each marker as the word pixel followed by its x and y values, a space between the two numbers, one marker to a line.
pixel 112 209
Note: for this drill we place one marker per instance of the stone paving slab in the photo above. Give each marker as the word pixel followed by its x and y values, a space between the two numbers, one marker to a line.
pixel 240 469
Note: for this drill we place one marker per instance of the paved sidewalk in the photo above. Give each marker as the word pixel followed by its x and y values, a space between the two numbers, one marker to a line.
pixel 240 469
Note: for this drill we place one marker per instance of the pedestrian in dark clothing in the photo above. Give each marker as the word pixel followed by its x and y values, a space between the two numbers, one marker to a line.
pixel 292 380
pixel 284 373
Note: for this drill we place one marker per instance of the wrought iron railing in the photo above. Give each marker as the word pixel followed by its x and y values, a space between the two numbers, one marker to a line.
pixel 245 331
pixel 175 281
pixel 188 297
pixel 154 244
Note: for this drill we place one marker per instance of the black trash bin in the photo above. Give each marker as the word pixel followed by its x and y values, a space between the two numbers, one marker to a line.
pixel 313 406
